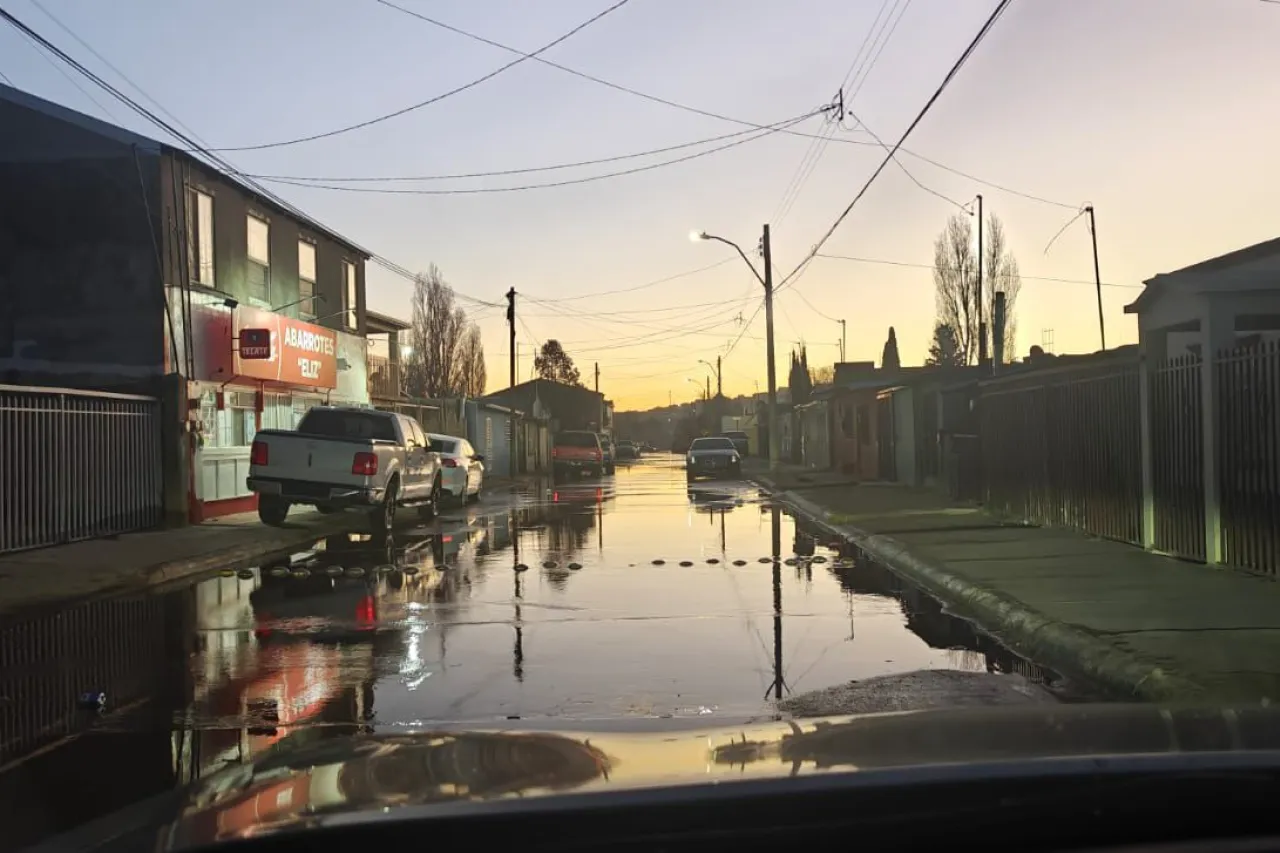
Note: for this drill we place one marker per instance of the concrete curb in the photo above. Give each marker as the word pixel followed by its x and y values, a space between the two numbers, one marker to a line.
pixel 1072 651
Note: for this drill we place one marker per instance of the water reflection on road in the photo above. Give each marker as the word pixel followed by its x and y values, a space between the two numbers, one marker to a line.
pixel 634 599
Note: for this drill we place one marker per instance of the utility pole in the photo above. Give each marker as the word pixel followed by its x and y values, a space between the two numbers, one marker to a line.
pixel 982 325
pixel 719 381
pixel 597 377
pixel 1097 275
pixel 843 332
pixel 767 253
pixel 708 387
pixel 511 323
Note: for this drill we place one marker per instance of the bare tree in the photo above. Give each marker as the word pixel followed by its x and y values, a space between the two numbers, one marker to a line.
pixel 824 375
pixel 1001 274
pixel 441 362
pixel 955 284
pixel 959 300
pixel 474 376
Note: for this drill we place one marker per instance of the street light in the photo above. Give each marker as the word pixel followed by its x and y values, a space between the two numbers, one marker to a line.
pixel 766 281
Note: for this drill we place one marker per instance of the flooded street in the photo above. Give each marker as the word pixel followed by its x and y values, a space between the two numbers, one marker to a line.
pixel 631 602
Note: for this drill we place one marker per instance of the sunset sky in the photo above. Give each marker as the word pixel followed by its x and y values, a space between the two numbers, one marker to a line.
pixel 1154 111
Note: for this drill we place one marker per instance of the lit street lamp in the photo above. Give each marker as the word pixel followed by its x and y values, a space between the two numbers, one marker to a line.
pixel 766 281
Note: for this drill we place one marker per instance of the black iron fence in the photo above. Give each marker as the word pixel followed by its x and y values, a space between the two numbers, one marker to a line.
pixel 76 465
pixel 1062 446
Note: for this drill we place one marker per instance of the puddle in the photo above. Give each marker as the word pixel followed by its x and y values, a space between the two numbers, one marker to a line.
pixel 628 601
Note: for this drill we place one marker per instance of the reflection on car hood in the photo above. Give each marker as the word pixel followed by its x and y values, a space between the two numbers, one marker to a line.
pixel 301 787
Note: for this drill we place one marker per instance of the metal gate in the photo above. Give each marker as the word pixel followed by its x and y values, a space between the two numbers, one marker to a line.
pixel 76 465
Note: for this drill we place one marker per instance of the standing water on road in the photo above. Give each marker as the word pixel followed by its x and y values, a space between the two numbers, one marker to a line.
pixel 626 601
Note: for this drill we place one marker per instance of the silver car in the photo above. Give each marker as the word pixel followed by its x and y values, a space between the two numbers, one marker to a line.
pixel 712 457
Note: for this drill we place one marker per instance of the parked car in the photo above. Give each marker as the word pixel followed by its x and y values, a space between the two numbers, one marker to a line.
pixel 740 441
pixel 627 450
pixel 343 458
pixel 576 452
pixel 461 468
pixel 609 452
pixel 712 456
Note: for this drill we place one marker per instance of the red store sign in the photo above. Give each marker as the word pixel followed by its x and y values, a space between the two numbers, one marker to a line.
pixel 250 343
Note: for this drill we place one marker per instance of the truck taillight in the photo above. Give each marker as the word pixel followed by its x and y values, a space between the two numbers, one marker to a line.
pixel 365 464
pixel 555 451
pixel 449 462
pixel 258 453
pixel 366 612
pixel 599 455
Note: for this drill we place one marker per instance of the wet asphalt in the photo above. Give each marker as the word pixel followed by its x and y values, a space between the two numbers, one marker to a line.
pixel 630 602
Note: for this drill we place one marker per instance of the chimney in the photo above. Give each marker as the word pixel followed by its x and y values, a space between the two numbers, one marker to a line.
pixel 997 335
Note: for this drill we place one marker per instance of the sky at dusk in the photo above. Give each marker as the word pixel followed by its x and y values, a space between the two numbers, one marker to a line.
pixel 1157 112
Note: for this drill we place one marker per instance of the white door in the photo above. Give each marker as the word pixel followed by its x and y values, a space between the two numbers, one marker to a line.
pixel 414 480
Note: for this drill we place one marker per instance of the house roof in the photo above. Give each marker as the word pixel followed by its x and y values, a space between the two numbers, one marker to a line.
pixel 1156 284
pixel 155 147
pixel 385 322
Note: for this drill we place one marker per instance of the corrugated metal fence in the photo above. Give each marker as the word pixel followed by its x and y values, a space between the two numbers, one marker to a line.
pixel 76 465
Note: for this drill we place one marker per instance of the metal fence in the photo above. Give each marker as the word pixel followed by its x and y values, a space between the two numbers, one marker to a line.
pixel 1177 457
pixel 76 465
pixel 1063 447
pixel 1249 455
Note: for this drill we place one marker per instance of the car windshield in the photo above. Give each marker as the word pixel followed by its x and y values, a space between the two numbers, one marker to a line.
pixel 337 423
pixel 309 424
pixel 577 439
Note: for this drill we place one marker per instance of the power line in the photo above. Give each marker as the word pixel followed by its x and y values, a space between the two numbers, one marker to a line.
pixel 822 135
pixel 580 74
pixel 190 139
pixel 1089 282
pixel 946 81
pixel 641 286
pixel 432 100
pixel 503 172
pixel 769 130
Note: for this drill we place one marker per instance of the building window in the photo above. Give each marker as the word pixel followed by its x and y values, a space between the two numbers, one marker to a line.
pixel 306 280
pixel 258 268
pixel 200 237
pixel 349 294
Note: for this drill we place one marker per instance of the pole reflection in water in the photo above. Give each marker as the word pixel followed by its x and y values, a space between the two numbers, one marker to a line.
pixel 517 652
pixel 775 525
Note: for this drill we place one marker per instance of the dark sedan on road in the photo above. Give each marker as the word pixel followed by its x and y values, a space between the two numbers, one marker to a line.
pixel 712 456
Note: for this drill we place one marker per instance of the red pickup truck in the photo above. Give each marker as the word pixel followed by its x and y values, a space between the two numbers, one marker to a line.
pixel 577 452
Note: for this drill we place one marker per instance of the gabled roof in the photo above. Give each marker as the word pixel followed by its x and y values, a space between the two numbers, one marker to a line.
pixel 1239 257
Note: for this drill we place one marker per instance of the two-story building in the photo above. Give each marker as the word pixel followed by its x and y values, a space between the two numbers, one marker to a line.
pixel 125 260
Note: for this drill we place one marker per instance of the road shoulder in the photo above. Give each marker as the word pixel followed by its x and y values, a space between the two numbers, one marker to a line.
pixel 1134 624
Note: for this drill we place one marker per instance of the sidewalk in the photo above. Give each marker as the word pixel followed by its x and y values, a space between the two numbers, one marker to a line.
pixel 1136 624
pixel 79 570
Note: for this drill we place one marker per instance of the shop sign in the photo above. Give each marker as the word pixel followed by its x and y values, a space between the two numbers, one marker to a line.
pixel 297 353
pixel 255 344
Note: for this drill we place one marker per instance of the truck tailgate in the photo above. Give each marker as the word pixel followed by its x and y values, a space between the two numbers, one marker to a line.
pixel 291 456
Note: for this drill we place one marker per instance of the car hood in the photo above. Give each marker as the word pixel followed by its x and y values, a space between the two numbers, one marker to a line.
pixel 299 787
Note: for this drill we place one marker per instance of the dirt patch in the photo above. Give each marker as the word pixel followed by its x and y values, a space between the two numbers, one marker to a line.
pixel 918 691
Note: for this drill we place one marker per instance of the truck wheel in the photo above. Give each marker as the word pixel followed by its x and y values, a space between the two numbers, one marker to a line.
pixel 429 510
pixel 272 510
pixel 382 518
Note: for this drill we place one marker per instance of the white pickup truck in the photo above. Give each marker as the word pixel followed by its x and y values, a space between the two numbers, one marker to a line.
pixel 342 458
